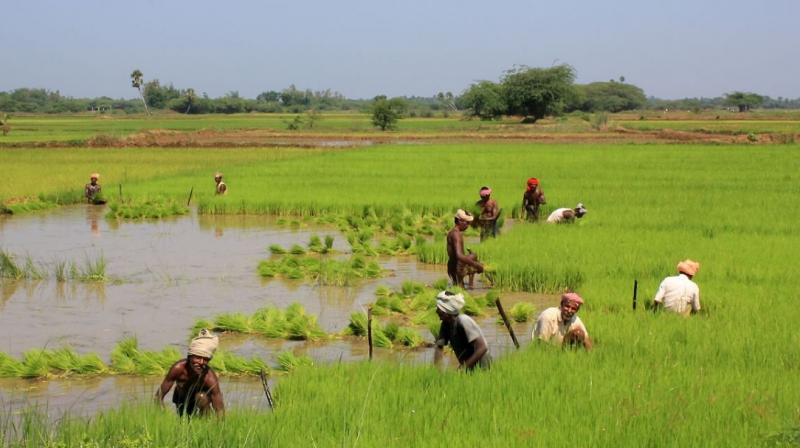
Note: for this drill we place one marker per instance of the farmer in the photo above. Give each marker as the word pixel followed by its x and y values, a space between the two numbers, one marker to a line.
pixel 92 189
pixel 567 215
pixel 560 324
pixel 679 293
pixel 221 187
pixel 532 199
pixel 461 332
pixel 459 264
pixel 196 384
pixel 487 219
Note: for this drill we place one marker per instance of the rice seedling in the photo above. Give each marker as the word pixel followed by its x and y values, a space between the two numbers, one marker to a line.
pixel 357 325
pixel 271 322
pixel 297 250
pixel 93 270
pixel 276 249
pixel 151 208
pixel 234 322
pixel 8 267
pixel 289 362
pixel 521 312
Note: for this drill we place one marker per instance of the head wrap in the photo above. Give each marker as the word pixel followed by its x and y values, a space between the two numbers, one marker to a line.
pixel 217 174
pixel 532 182
pixel 689 267
pixel 464 216
pixel 449 302
pixel 94 176
pixel 205 344
pixel 571 297
pixel 580 210
pixel 485 191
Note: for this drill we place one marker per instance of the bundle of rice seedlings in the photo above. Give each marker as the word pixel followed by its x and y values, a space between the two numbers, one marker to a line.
pixel 380 339
pixel 123 355
pixel 91 363
pixel 472 307
pixel 408 337
pixel 288 361
pixel 373 270
pixel 33 270
pixel 315 244
pixel 410 288
pixel 61 270
pixel 304 328
pixel 236 322
pixel 391 303
pixel 201 324
pixel 276 249
pixel 328 243
pixel 269 322
pixel 93 271
pixel 383 291
pixel 8 267
pixel 10 367
pixel 522 311
pixel 297 250
pixel 357 325
pixel 64 360
pixel 390 329
pixel 35 364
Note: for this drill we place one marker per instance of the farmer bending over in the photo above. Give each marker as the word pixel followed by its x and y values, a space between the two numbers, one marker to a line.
pixel 196 384
pixel 487 220
pixel 92 189
pixel 461 332
pixel 680 294
pixel 532 199
pixel 221 187
pixel 567 215
pixel 459 264
pixel 560 325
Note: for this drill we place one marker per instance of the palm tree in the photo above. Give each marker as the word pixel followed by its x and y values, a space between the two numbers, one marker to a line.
pixel 137 80
pixel 190 97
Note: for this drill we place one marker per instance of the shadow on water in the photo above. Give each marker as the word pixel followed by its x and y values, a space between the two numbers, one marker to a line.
pixel 173 272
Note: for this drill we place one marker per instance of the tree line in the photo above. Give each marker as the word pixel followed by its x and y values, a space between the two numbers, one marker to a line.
pixel 523 91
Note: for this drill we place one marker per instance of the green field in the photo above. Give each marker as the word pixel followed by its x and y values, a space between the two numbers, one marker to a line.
pixel 716 126
pixel 722 378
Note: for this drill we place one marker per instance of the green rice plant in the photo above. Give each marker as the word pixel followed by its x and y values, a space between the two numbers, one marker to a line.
pixel 357 325
pixel 383 291
pixel 408 337
pixel 228 363
pixel 289 362
pixel 34 271
pixel 8 267
pixel 235 322
pixel 276 249
pixel 150 208
pixel 35 364
pixel 522 312
pixel 93 270
pixel 315 244
pixel 61 270
pixel 410 288
pixel 269 322
pixel 391 303
pixel 380 339
pixel 390 329
pixel 10 367
pixel 297 249
pixel 329 243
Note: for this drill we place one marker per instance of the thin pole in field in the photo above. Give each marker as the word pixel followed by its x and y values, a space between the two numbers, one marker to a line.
pixel 369 330
pixel 505 321
pixel 266 390
pixel 120 192
pixel 190 196
pixel 635 289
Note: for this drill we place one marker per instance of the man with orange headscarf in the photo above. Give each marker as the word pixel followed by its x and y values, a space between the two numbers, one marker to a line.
pixel 532 199
pixel 679 293
pixel 561 325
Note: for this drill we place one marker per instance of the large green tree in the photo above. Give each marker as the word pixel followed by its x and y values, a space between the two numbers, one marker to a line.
pixel 137 80
pixel 484 100
pixel 609 96
pixel 743 100
pixel 386 112
pixel 535 93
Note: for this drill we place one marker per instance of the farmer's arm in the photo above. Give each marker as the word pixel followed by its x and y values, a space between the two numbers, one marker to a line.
pixel 441 341
pixel 459 246
pixel 169 381
pixel 494 210
pixel 215 394
pixel 479 349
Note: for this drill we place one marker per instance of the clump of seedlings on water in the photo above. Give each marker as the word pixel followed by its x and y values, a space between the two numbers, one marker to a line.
pixel 149 208
pixel 92 270
pixel 271 322
pixel 311 263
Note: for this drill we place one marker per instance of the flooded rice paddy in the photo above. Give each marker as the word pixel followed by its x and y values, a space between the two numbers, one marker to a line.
pixel 166 274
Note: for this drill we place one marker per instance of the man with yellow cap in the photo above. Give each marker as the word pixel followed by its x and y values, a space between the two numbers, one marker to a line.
pixel 459 264
pixel 561 325
pixel 679 293
pixel 196 384
pixel 92 190
pixel 461 332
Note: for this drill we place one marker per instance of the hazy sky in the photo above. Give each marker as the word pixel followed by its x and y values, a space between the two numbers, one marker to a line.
pixel 670 48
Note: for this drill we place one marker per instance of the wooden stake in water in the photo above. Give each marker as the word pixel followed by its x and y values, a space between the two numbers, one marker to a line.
pixel 635 288
pixel 266 390
pixel 369 330
pixel 505 321
pixel 190 196
pixel 120 192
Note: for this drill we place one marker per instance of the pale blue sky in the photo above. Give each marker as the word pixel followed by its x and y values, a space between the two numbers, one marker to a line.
pixel 363 48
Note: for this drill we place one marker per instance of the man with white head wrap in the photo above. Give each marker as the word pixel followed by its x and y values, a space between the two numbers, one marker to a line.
pixel 196 384
pixel 461 332
pixel 679 293
pixel 567 215
pixel 459 264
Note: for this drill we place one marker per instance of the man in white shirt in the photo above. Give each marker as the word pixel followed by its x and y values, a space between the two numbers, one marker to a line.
pixel 680 294
pixel 566 215
pixel 560 324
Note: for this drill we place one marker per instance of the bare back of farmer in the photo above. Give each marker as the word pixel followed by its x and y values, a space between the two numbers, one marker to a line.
pixel 490 211
pixel 459 264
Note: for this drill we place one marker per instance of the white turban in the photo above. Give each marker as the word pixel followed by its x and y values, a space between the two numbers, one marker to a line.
pixel 464 216
pixel 205 344
pixel 449 302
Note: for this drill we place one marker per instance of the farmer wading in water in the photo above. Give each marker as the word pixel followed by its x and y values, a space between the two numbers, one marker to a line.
pixel 459 264
pixel 196 384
